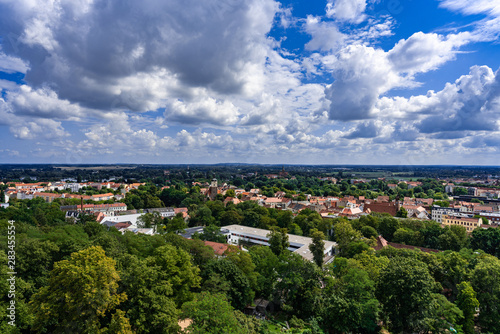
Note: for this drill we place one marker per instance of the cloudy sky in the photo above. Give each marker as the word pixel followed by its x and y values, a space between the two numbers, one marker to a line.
pixel 253 81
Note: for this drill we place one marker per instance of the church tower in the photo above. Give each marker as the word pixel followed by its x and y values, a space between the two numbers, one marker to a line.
pixel 212 190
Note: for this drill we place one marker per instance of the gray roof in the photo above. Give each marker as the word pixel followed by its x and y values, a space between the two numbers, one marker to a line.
pixel 295 240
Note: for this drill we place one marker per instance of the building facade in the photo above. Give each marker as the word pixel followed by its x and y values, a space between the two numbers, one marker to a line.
pixel 470 224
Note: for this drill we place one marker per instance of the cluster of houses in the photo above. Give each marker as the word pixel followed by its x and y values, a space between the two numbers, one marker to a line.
pixel 116 215
pixel 458 212
pixel 46 190
pixel 354 207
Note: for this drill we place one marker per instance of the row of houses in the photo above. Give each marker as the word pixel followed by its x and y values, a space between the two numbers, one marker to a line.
pixel 107 209
pixel 45 190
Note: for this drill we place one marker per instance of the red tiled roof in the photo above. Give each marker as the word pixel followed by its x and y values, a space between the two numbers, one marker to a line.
pixel 219 248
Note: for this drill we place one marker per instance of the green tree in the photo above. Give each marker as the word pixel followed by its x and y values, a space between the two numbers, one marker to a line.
pixel 451 269
pixel 230 193
pixel 150 219
pixel 93 229
pixel 405 289
pixel 345 234
pixel 388 226
pixel 284 218
pixel 369 232
pixel 223 275
pixel 34 260
pixel 402 213
pixel 406 236
pixel 443 204
pixel 231 217
pixel 212 233
pixel 455 237
pixel 243 260
pixel 266 263
pixel 459 191
pixel 211 314
pixel 202 217
pixel 487 285
pixel 175 267
pixel 278 240
pixel 172 197
pixel 317 247
pixel 298 286
pixel 486 239
pixel 80 292
pixel 352 306
pixel 119 324
pixel 468 303
pixel 176 224
pixel 150 305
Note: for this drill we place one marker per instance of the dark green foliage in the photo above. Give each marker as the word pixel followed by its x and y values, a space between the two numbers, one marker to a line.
pixel 212 233
pixel 468 303
pixel 93 229
pixel 174 225
pixel 486 283
pixel 35 259
pixel 150 306
pixel 278 240
pixel 23 316
pixel 265 262
pixel 212 314
pixel 298 286
pixel 231 217
pixel 350 304
pixel 402 213
pixel 486 239
pixel 369 232
pixel 387 227
pixel 317 246
pixel 405 289
pixel 224 276
pixel 172 197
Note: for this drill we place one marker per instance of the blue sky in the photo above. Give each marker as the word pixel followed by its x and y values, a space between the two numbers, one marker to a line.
pixel 255 81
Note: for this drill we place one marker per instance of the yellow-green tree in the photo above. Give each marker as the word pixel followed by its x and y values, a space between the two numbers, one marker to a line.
pixel 80 292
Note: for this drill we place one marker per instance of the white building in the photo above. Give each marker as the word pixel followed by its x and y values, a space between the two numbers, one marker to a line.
pixel 136 230
pixel 164 212
pixel 74 187
pixel 437 212
pixel 125 218
pixel 298 244
pixel 449 188
pixel 24 195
